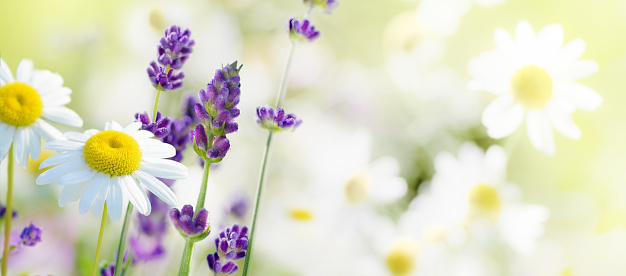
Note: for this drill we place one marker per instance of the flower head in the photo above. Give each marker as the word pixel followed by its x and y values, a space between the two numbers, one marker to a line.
pixel 3 210
pixel 111 165
pixel 327 5
pixel 189 226
pixel 231 245
pixel 169 130
pixel 160 127
pixel 175 47
pixel 31 235
pixel 299 31
pixel 164 79
pixel 238 205
pixel 27 103
pixel 534 77
pixel 189 109
pixel 219 101
pixel 276 120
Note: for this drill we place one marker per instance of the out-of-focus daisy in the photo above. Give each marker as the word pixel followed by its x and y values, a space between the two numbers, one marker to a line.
pixel 535 77
pixel 477 196
pixel 98 166
pixel 444 16
pixel 34 95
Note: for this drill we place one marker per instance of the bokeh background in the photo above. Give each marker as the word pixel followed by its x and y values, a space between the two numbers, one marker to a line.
pixel 386 79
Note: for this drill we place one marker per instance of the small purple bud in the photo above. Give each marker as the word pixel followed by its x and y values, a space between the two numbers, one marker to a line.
pixel 31 235
pixel 276 120
pixel 186 225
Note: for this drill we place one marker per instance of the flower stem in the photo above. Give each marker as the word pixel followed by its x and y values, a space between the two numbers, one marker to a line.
pixel 120 247
pixel 156 105
pixel 102 223
pixel 8 214
pixel 256 204
pixel 283 82
pixel 185 263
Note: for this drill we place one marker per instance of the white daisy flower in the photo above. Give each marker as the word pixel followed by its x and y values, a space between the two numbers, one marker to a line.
pixel 444 16
pixel 26 103
pixel 534 77
pixel 109 166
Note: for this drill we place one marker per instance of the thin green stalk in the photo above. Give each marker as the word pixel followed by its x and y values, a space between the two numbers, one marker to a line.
pixel 185 262
pixel 8 214
pixel 102 223
pixel 120 247
pixel 283 82
pixel 156 105
pixel 256 204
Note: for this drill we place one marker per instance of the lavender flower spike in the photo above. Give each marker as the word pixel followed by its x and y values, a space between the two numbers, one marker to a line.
pixel 164 80
pixel 299 31
pixel 231 245
pixel 175 47
pixel 327 5
pixel 219 101
pixel 160 127
pixel 275 120
pixel 196 228
pixel 31 235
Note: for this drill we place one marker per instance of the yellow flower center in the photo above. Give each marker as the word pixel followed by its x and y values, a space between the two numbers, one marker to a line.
pixel 20 104
pixel 301 214
pixel 403 258
pixel 436 234
pixel 112 152
pixel 485 199
pixel 357 188
pixel 531 87
pixel 567 272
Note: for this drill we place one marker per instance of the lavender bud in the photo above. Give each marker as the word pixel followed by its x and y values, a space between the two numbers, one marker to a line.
pixel 299 31
pixel 31 235
pixel 276 121
pixel 189 227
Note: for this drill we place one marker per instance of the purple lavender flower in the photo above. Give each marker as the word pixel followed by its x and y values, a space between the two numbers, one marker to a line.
pixel 164 79
pixel 301 30
pixel 327 5
pixel 31 235
pixel 3 210
pixel 188 108
pixel 160 127
pixel 189 227
pixel 175 47
pixel 275 120
pixel 238 205
pixel 146 248
pixel 231 245
pixel 108 270
pixel 178 136
pixel 219 102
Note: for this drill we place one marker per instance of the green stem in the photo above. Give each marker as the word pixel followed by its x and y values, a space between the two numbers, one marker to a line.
pixel 120 247
pixel 256 204
pixel 283 82
pixel 185 263
pixel 156 105
pixel 102 223
pixel 8 215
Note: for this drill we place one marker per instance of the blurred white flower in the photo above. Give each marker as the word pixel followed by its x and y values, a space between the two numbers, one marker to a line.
pixel 444 16
pixel 534 76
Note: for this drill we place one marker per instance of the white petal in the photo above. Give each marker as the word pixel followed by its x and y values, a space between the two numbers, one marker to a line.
pixel 540 132
pixel 524 33
pixel 98 204
pixel 56 101
pixel 46 82
pixel 496 108
pixel 60 158
pixel 580 69
pixel 62 115
pixel 91 132
pixel 5 73
pixel 163 168
pixel 141 135
pixel 386 186
pixel 495 163
pixel 46 131
pixel 573 50
pixel 64 145
pixel 550 39
pixel 24 71
pixel 113 125
pixel 70 194
pixel 132 127
pixel 563 123
pixel 135 194
pixel 57 172
pixel 156 149
pixel 91 192
pixel 504 41
pixel 157 187
pixel 21 146
pixel 35 144
pixel 77 177
pixel 115 201
pixel 76 136
pixel 503 122
pixel 6 140
pixel 578 95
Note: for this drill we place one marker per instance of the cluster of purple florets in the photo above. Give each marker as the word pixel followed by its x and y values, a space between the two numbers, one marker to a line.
pixel 231 245
pixel 188 225
pixel 173 50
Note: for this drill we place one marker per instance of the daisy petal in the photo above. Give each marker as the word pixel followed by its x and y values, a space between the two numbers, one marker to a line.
pixel 62 115
pixel 550 39
pixel 132 127
pixel 502 117
pixel 76 136
pixel 573 50
pixel 540 132
pixel 578 95
pixel 57 172
pixel 136 195
pixel 98 204
pixel 70 194
pixel 5 73
pixel 6 139
pixel 156 149
pixel 24 71
pixel 64 145
pixel 163 168
pixel 157 187
pixel 60 158
pixel 580 69
pixel 524 33
pixel 21 147
pixel 115 201
pixel 504 41
pixel 77 177
pixel 46 131
pixel 91 192
pixel 35 144
pixel 495 109
pixel 563 123
pixel 141 134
